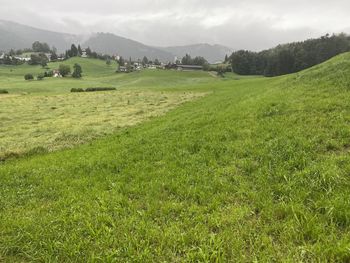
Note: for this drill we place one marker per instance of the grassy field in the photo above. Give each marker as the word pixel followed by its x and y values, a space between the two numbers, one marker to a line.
pixel 256 171
pixel 42 116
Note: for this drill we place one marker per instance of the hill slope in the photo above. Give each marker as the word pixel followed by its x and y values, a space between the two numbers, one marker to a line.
pixel 256 171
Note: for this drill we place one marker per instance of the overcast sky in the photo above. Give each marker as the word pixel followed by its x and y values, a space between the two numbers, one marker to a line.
pixel 248 24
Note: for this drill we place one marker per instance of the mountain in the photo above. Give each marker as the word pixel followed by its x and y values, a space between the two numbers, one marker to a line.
pixel 17 36
pixel 112 44
pixel 213 53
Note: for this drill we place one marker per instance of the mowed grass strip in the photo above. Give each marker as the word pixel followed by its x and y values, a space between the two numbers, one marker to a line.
pixel 255 171
pixel 32 124
pixel 41 116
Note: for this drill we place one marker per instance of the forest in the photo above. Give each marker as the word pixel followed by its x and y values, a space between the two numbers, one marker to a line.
pixel 289 58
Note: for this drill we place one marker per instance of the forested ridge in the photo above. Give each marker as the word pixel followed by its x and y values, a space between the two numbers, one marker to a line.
pixel 289 58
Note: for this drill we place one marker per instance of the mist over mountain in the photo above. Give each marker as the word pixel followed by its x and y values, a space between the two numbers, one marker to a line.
pixel 17 36
pixel 213 53
pixel 112 44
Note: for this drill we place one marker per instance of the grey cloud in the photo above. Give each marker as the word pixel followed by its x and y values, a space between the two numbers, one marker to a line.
pixel 250 24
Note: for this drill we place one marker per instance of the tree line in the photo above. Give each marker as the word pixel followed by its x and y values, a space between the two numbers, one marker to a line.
pixel 198 61
pixel 289 58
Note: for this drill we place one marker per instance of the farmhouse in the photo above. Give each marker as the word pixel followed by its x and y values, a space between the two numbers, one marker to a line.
pixel 84 53
pixel 122 69
pixel 26 59
pixel 56 73
pixel 189 67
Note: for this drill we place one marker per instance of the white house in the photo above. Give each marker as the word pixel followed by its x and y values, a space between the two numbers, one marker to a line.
pixel 84 54
pixel 26 59
pixel 56 73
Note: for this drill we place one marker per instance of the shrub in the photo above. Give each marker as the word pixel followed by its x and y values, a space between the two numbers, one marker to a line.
pixel 28 77
pixel 99 89
pixel 40 77
pixel 76 90
pixel 77 71
pixel 48 74
pixel 64 70
pixel 2 91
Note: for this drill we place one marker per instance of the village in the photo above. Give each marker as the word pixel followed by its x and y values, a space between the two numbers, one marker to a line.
pixel 41 54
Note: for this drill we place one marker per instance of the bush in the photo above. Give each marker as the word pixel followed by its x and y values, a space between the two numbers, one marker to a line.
pixel 90 89
pixel 2 91
pixel 28 77
pixel 64 70
pixel 77 71
pixel 48 74
pixel 76 90
pixel 99 89
pixel 40 77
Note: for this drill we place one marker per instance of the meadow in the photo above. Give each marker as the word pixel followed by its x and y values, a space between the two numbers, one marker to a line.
pixel 43 116
pixel 257 170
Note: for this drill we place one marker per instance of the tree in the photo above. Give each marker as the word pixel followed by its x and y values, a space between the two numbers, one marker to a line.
pixel 38 59
pixel 67 54
pixel 77 71
pixel 88 52
pixel 199 61
pixel 80 51
pixel 40 47
pixel 54 56
pixel 108 62
pixel 186 60
pixel 289 58
pixel 73 51
pixel 64 70
pixel 43 63
pixel 121 61
pixel 156 62
pixel 226 58
pixel 144 61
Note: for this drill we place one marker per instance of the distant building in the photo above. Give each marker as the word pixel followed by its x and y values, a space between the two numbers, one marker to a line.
pixel 122 69
pixel 188 67
pixel 2 56
pixel 84 53
pixel 26 59
pixel 56 73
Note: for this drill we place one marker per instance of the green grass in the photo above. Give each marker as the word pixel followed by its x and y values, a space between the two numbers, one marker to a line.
pixel 46 123
pixel 42 116
pixel 95 73
pixel 258 170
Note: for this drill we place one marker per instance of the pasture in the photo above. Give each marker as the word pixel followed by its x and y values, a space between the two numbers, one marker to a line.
pixel 42 116
pixel 257 170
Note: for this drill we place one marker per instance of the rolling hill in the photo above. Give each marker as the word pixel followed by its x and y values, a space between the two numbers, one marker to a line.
pixel 17 36
pixel 256 171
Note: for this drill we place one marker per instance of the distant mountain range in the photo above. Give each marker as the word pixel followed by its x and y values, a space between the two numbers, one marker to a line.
pixel 17 36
